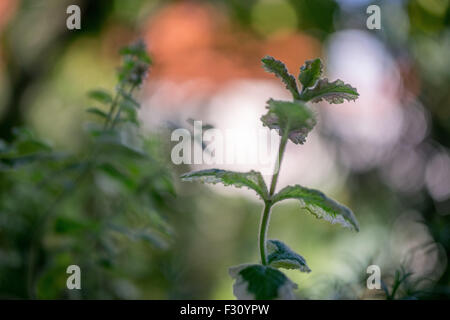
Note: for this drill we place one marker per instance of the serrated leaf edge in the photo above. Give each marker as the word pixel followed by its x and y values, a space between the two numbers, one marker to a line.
pixel 303 267
pixel 318 212
pixel 339 95
pixel 213 179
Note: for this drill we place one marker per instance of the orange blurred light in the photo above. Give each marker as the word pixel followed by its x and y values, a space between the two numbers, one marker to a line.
pixel 195 41
pixel 7 8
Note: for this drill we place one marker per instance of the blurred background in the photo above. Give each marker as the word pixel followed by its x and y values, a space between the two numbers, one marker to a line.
pixel 386 155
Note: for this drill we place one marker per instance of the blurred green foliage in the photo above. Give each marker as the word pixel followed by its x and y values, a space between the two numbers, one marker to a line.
pixel 121 221
pixel 58 208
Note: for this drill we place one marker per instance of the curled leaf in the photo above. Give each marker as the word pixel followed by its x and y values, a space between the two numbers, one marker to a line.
pixel 281 256
pixel 310 72
pixel 333 92
pixel 252 179
pixel 258 282
pixel 295 117
pixel 319 205
pixel 278 68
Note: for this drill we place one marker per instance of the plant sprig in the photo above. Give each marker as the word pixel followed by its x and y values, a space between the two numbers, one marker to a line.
pixel 293 120
pixel 118 153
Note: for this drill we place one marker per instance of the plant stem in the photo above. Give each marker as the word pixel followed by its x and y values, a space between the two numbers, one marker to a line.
pixel 117 117
pixel 281 149
pixel 111 110
pixel 265 217
pixel 264 226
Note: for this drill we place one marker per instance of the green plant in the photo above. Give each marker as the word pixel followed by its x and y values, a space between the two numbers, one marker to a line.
pixel 400 278
pixel 61 208
pixel 293 120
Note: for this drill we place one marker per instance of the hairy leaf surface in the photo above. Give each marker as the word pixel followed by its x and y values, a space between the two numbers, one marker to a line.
pixel 319 205
pixel 252 179
pixel 333 92
pixel 281 256
pixel 278 68
pixel 295 116
pixel 258 282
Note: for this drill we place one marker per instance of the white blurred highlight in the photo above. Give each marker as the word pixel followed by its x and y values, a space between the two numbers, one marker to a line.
pixel 413 244
pixel 372 125
pixel 437 176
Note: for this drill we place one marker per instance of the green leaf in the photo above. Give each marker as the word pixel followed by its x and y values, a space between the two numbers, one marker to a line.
pixel 25 143
pixel 333 92
pixel 319 205
pixel 310 72
pixel 252 179
pixel 258 282
pixel 97 112
pixel 117 174
pixel 295 116
pixel 143 234
pixel 71 225
pixel 101 96
pixel 130 111
pixel 108 143
pixel 278 68
pixel 281 256
pixel 26 147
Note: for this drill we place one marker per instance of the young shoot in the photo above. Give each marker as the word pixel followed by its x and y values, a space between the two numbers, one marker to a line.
pixel 293 120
